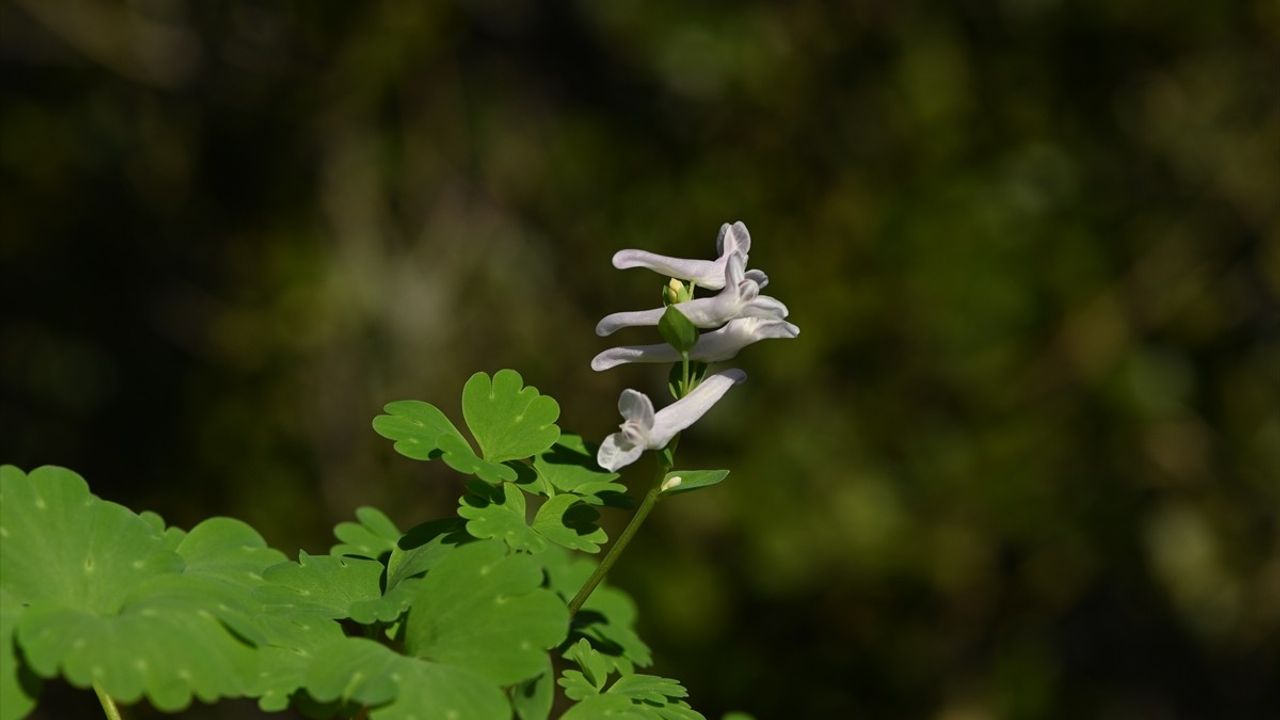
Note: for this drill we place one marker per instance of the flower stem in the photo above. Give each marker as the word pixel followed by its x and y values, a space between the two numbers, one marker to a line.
pixel 684 384
pixel 108 705
pixel 615 551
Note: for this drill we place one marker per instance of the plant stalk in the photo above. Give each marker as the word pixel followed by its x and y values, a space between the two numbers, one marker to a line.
pixel 108 705
pixel 615 551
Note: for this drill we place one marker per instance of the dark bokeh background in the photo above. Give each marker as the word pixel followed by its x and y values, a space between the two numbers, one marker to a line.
pixel 1023 461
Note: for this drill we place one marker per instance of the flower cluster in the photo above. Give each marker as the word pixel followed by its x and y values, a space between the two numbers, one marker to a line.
pixel 737 316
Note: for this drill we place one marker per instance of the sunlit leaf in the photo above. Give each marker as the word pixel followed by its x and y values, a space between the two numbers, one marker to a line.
pixel 416 427
pixel 508 420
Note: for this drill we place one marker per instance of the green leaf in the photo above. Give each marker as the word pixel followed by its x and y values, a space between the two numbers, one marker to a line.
pixel 227 549
pixel 569 522
pixel 614 707
pixel 677 330
pixel 500 513
pixel 607 618
pixel 532 699
pixel 18 686
pixel 577 686
pixel 63 547
pixel 372 536
pixel 459 456
pixel 594 666
pixel 648 697
pixel 422 547
pixel 509 421
pixel 648 688
pixel 570 466
pixel 416 427
pixel 79 564
pixel 399 687
pixel 681 481
pixel 485 611
pixel 323 585
pixel 167 652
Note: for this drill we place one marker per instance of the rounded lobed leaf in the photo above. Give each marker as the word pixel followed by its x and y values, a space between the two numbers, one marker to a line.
pixel 321 584
pixel 508 420
pixel 416 427
pixel 371 536
pixel 401 688
pixel 64 547
pixel 500 513
pixel 484 610
pixel 568 521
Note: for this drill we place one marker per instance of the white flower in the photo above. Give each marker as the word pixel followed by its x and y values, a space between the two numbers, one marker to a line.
pixel 740 298
pixel 722 344
pixel 733 240
pixel 643 429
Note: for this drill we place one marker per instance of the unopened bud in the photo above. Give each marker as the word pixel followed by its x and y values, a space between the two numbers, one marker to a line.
pixel 670 483
pixel 674 292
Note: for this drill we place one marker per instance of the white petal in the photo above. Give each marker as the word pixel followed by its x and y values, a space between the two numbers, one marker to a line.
pixel 686 411
pixel 709 312
pixel 758 275
pixel 614 357
pixel 728 341
pixel 766 307
pixel 733 239
pixel 636 407
pixel 614 322
pixel 617 452
pixel 706 273
pixel 735 268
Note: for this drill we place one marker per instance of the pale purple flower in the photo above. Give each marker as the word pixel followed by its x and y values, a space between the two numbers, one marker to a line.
pixel 733 240
pixel 722 344
pixel 740 298
pixel 643 429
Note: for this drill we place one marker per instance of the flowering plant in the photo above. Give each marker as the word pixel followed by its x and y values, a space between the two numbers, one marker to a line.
pixel 494 612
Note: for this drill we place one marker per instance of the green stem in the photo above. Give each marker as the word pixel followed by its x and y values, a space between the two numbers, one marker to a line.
pixel 684 384
pixel 615 551
pixel 108 705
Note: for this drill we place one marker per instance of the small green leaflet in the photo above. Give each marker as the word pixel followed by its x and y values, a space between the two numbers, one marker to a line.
pixel 508 421
pixel 644 697
pixel 416 427
pixel 485 611
pixel 459 456
pixel 500 512
pixel 372 536
pixel 570 466
pixel 681 481
pixel 568 522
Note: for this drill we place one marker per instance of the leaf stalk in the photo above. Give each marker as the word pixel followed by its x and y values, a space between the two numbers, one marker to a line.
pixel 108 705
pixel 619 545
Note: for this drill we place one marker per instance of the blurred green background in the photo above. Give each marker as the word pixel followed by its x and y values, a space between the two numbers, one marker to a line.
pixel 1022 462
